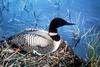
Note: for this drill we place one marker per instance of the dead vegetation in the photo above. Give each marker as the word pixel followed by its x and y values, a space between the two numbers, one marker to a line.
pixel 63 57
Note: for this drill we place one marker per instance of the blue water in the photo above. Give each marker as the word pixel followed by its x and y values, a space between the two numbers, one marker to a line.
pixel 17 15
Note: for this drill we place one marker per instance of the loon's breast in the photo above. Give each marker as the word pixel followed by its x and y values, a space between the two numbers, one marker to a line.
pixel 33 40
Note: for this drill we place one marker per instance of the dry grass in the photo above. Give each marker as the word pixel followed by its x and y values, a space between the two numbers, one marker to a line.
pixel 63 57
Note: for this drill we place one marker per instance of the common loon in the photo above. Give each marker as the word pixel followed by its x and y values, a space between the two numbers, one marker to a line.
pixel 39 41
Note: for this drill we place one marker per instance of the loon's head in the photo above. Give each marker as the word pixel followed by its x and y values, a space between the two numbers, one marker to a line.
pixel 56 23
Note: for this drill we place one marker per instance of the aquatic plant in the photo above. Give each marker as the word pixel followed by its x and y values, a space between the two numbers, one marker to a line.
pixel 91 39
pixel 93 47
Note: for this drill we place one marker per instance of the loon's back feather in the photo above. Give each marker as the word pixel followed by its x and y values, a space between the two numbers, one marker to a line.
pixel 30 40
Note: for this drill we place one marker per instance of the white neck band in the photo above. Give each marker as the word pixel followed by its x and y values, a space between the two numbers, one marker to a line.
pixel 52 34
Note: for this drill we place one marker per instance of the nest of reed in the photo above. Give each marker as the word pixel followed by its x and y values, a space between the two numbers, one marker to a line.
pixel 63 57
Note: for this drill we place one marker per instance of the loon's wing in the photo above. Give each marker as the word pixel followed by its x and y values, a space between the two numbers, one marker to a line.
pixel 32 40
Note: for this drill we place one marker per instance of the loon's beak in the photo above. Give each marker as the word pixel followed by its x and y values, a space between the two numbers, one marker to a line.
pixel 70 23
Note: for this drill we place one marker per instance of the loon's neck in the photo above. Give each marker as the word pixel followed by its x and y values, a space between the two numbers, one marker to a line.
pixel 53 33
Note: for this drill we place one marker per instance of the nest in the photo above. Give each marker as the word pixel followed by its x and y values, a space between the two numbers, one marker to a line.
pixel 63 57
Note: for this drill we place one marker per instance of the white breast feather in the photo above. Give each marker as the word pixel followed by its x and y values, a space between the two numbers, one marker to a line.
pixel 56 45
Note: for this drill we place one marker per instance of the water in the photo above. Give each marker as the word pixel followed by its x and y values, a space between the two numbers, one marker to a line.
pixel 16 16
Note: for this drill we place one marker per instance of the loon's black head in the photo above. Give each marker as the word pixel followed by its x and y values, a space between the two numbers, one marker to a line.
pixel 55 23
pixel 58 22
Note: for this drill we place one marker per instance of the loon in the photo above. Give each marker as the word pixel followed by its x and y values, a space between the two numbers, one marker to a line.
pixel 37 41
